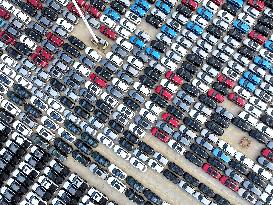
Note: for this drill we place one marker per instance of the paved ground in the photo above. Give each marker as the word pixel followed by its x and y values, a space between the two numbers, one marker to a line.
pixel 155 181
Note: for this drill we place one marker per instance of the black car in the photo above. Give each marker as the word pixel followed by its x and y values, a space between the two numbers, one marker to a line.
pixel 259 136
pixel 6 117
pixel 49 13
pixel 191 180
pixel 99 4
pixel 15 98
pixel 215 128
pixel 146 148
pixel 144 79
pixel 215 63
pixel 105 107
pixel 125 76
pixel 190 89
pixel 186 75
pixel 33 111
pixel 101 116
pixel 89 139
pixel 22 48
pixel 104 72
pixel 237 35
pixel 215 31
pixel 192 124
pixel 131 137
pixel 126 144
pixel 83 147
pixel 133 183
pixel 131 103
pixel 13 53
pixel 71 50
pixel 80 112
pixel 82 159
pixel 242 124
pixel 30 10
pixel 57 85
pixel 189 67
pixel 158 45
pixel 175 169
pixel 184 10
pixel 264 30
pixel 72 127
pixel 206 190
pixel 119 51
pixel 220 200
pixel 154 21
pixel 193 158
pixel 230 8
pixel 207 101
pixel 247 52
pixel 216 163
pixel 266 21
pixel 133 196
pixel 194 59
pixel 33 34
pixel 116 127
pixel 174 111
pixel 64 147
pixel 119 7
pixel 76 42
pixel 267 120
pixel 86 104
pixel 151 196
pixel 221 88
pixel 220 120
pixel 153 73
pixel 158 100
pixel 66 102
pixel 171 176
pixel 100 159
pixel 256 179
pixel 238 167
pixel 199 151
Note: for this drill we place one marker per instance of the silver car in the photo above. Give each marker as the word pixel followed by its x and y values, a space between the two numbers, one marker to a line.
pixel 252 187
pixel 164 126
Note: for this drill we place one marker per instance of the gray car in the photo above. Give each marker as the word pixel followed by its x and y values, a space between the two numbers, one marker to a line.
pixel 119 51
pixel 141 55
pixel 127 67
pixel 93 22
pixel 224 112
pixel 181 105
pixel 164 126
pixel 234 175
pixel 88 62
pixel 69 16
pixel 87 94
pixel 185 97
pixel 135 95
pixel 265 163
pixel 63 56
pixel 60 31
pixel 252 187
pixel 28 120
pixel 125 77
pixel 107 64
pixel 182 138
pixel 114 91
pixel 142 122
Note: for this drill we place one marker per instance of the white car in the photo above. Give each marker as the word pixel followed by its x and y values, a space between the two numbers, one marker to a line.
pixel 198 116
pixel 133 17
pixel 183 41
pixel 135 62
pixel 200 85
pixel 81 69
pixel 23 17
pixel 105 140
pixel 210 70
pixel 246 18
pixel 109 99
pixel 179 49
pixel 53 127
pixel 179 17
pixel 29 42
pixel 124 44
pixel 96 195
pixel 204 45
pixel 242 92
pixel 200 51
pixel 252 110
pixel 135 129
pixel 107 21
pixel 124 154
pixel 45 133
pixel 261 171
pixel 8 6
pixel 147 114
pixel 247 195
pixel 63 2
pixel 163 38
pixel 258 103
pixel 66 135
pixel 23 81
pixel 184 185
pixel 269 111
pixel 226 16
pixel 174 56
pixel 253 12
pixel 248 118
pixel 114 58
pixel 265 163
pixel 265 129
pixel 231 73
pixel 220 55
pixel 256 69
pixel 225 48
pixel 7 70
pixel 243 159
pixel 122 32
pixel 93 54
pixel 176 146
pixel 199 20
pixel 162 159
pixel 169 85
pixel 252 44
pixel 203 108
pixel 266 54
pixel 21 128
pixel 210 38
pixel 205 77
pixel 71 116
pixel 138 164
pixel 202 198
pixel 55 105
pixel 143 35
pixel 116 184
pixel 168 63
pixel 236 66
pixel 140 155
pixel 127 25
pixel 65 24
pixel 120 84
pixel 157 65
pixel 234 175
pixel 126 111
pixel 117 172
pixel 155 165
pixel 9 61
pixel 210 5
pixel 269 78
pixel 159 14
pixel 153 107
pixel 142 88
pixel 231 41
pixel 241 59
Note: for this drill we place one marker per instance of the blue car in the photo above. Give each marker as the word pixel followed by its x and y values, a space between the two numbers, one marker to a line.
pixel 196 29
pixel 205 13
pixel 138 10
pixel 152 52
pixel 237 3
pixel 2 23
pixel 221 155
pixel 269 45
pixel 247 85
pixel 143 4
pixel 137 42
pixel 168 31
pixel 252 77
pixel 241 26
pixel 112 14
pixel 262 62
pixel 162 6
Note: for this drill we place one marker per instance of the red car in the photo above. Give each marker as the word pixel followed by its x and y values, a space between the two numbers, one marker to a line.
pixel 191 4
pixel 99 81
pixel 257 4
pixel 176 79
pixel 81 3
pixel 71 7
pixel 216 96
pixel 37 4
pixel 55 39
pixel 267 153
pixel 255 36
pixel 226 81
pixel 163 92
pixel 211 171
pixel 4 14
pixel 167 117
pixel 38 60
pixel 108 32
pixel 44 53
pixel 230 183
pixel 234 97
pixel 218 2
pixel 7 38
pixel 92 10
pixel 160 134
